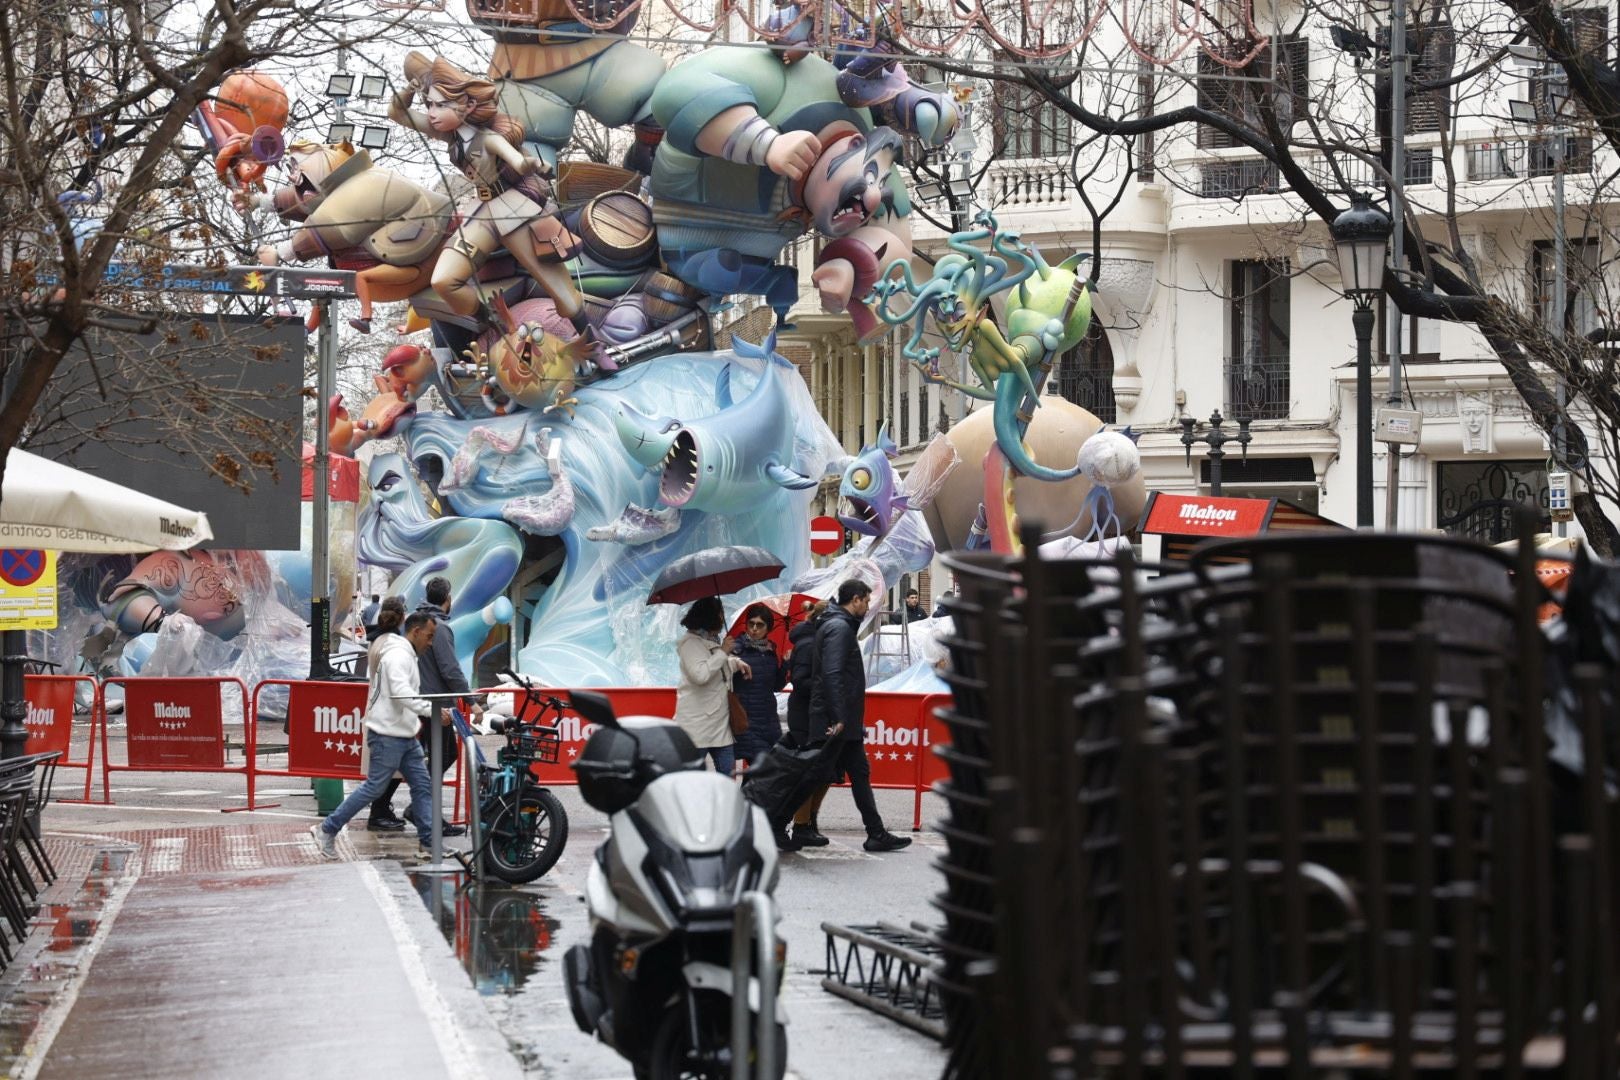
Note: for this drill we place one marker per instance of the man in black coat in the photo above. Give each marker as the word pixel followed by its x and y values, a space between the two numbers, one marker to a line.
pixel 838 705
pixel 441 674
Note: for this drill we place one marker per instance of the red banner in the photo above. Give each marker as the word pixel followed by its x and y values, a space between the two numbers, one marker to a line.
pixel 900 734
pixel 1206 515
pixel 325 734
pixel 174 723
pixel 50 713
pixel 572 731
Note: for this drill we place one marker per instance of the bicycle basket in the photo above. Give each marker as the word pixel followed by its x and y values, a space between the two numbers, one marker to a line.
pixel 527 746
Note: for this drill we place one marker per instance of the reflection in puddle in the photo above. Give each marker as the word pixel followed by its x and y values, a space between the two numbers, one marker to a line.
pixel 499 933
pixel 66 929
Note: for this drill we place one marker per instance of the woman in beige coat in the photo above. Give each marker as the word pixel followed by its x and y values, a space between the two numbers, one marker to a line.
pixel 701 708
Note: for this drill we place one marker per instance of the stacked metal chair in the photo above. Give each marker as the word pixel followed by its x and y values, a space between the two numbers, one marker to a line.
pixel 25 868
pixel 1288 813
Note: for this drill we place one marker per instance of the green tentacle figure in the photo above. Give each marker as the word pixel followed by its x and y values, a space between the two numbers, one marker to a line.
pixel 1047 312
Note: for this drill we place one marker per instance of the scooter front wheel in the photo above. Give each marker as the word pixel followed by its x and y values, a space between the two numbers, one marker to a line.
pixel 674 1058
pixel 526 836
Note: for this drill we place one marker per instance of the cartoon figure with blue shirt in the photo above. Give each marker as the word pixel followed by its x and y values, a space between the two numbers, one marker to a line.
pixel 757 153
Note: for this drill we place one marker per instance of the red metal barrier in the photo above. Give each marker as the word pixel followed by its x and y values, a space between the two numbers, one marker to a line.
pixel 51 700
pixel 627 701
pixel 326 731
pixel 900 730
pixel 177 725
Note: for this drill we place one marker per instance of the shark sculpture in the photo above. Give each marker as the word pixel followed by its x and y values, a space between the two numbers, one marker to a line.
pixel 728 462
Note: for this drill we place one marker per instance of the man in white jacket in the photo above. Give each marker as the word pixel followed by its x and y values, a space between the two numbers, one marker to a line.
pixel 393 715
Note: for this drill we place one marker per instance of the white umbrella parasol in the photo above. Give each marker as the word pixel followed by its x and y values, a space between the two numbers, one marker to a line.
pixel 44 504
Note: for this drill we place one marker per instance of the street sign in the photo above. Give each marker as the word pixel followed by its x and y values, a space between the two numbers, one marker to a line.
pixel 27 589
pixel 826 535
pixel 291 282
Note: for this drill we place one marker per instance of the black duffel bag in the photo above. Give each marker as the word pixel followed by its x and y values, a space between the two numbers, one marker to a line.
pixel 785 776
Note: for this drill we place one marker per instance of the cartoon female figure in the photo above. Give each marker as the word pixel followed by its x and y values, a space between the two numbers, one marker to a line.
pixel 511 205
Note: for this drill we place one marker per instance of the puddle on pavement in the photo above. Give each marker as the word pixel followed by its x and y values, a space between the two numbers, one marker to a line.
pixel 66 928
pixel 500 934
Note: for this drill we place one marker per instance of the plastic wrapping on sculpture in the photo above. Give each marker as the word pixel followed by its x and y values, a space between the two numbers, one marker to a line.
pixel 1047 312
pixel 888 670
pixel 216 613
pixel 476 551
pixel 592 625
pixel 905 545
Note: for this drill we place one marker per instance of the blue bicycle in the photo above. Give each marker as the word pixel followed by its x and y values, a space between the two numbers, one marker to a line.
pixel 524 825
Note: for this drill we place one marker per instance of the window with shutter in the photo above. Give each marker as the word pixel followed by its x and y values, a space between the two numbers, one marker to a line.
pixel 1435 45
pixel 1590 28
pixel 1027 125
pixel 1239 93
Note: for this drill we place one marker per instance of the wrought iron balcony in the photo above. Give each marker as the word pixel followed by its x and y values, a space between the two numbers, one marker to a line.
pixel 1236 178
pixel 1513 159
pixel 1257 387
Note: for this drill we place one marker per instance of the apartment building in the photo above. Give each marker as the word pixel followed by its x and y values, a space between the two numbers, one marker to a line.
pixel 1218 291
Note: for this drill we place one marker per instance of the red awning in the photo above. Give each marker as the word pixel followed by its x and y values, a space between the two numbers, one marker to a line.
pixel 344 481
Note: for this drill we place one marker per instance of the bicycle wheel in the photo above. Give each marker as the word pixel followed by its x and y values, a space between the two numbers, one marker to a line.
pixel 526 836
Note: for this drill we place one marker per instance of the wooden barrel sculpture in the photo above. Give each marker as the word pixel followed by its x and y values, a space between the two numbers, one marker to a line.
pixel 617 228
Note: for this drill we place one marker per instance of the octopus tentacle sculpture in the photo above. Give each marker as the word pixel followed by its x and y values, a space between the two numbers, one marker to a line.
pixel 1048 310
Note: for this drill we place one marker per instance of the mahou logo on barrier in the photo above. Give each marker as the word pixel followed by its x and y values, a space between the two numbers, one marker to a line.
pixel 50 714
pixel 899 739
pixel 174 723
pixel 325 729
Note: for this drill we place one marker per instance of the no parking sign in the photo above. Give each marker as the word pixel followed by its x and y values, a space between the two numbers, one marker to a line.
pixel 27 589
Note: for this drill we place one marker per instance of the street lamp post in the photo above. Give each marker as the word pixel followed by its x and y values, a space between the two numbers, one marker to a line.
pixel 1216 437
pixel 1361 237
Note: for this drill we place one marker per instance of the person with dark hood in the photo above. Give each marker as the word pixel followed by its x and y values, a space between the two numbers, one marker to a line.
pixel 838 705
pixel 758 692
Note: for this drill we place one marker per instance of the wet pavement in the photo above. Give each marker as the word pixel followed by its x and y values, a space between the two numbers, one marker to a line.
pixel 230 948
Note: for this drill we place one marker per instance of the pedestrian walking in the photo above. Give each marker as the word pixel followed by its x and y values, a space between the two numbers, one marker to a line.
pixel 838 705
pixel 801 670
pixel 707 666
pixel 441 674
pixel 368 617
pixel 768 673
pixel 389 621
pixel 394 712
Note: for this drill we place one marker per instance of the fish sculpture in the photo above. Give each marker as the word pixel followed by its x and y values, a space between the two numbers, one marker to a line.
pixel 637 525
pixel 725 463
pixel 872 489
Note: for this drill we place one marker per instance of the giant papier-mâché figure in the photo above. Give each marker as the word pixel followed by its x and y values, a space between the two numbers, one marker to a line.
pixel 388 229
pixel 549 66
pixel 510 205
pixel 756 154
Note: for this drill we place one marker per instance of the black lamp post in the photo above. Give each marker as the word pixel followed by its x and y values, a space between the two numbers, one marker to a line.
pixel 1361 235
pixel 1216 437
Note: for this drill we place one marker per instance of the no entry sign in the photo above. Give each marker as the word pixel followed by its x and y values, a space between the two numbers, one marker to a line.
pixel 826 535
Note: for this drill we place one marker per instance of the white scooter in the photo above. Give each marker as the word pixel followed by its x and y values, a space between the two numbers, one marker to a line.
pixel 684 966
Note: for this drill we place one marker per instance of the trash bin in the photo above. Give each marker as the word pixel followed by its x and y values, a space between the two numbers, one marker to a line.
pixel 328 795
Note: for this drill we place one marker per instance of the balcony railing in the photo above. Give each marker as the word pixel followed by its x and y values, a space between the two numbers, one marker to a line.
pixel 1036 185
pixel 1257 387
pixel 1233 179
pixel 1513 159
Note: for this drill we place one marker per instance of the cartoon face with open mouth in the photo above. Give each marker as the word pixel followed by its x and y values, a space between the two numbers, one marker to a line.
pixel 844 189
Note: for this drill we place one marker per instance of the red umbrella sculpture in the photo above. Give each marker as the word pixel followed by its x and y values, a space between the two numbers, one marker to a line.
pixel 713 572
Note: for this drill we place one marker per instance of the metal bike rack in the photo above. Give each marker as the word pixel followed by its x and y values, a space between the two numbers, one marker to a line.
pixel 756 923
pixel 887 969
